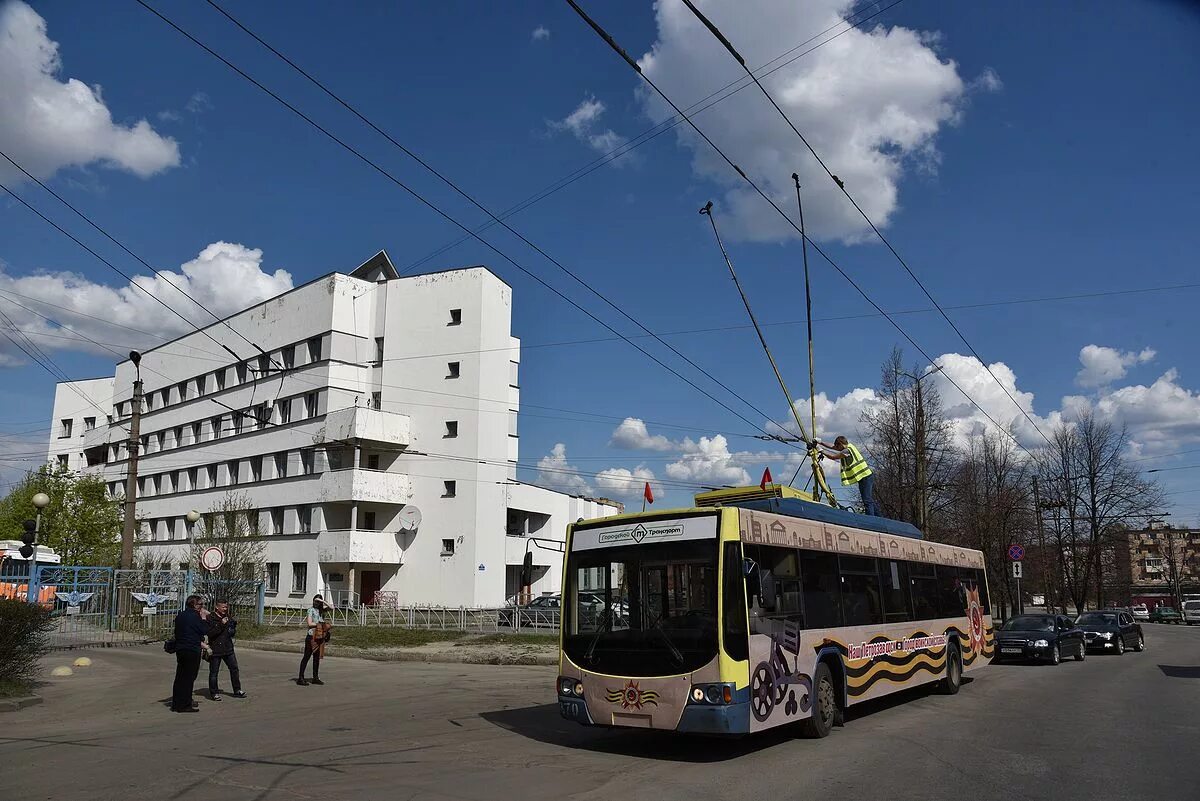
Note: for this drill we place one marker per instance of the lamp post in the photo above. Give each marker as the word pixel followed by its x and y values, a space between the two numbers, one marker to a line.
pixel 40 501
pixel 191 517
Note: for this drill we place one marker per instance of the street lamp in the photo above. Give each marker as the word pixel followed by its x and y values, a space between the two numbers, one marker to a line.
pixel 29 545
pixel 191 518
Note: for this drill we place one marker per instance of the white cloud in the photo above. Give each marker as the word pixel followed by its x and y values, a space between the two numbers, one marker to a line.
pixel 709 462
pixel 871 102
pixel 987 81
pixel 555 472
pixel 224 277
pixel 1102 366
pixel 624 484
pixel 540 33
pixel 584 124
pixel 48 124
pixel 632 435
pixel 199 103
pixel 1161 417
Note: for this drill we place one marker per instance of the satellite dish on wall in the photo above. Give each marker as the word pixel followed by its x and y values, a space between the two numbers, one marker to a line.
pixel 410 518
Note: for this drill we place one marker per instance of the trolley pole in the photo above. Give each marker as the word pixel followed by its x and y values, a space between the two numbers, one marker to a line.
pixel 131 475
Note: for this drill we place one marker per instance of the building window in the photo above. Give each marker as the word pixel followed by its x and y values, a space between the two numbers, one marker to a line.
pixel 161 440
pixel 211 475
pixel 192 475
pixel 369 521
pixel 514 371
pixel 166 396
pixel 64 429
pixel 314 349
pixel 310 405
pixel 239 421
pixel 148 400
pixel 447 547
pixel 373 461
pixel 256 468
pixel 200 386
pixel 452 369
pixel 289 357
pixel 304 514
pixel 306 461
pixel 215 424
pixel 378 351
pixel 455 317
pixel 196 427
pixel 281 460
pixel 272 577
pixel 285 410
pixel 376 400
pixel 450 489
pixel 299 578
pixel 219 379
pixel 276 521
pixel 181 388
pixel 178 436
pixel 512 422
pixel 233 472
pixel 63 460
pixel 89 424
pixel 451 429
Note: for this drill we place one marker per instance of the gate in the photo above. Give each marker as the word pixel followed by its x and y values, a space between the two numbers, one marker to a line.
pixel 146 603
pixel 80 600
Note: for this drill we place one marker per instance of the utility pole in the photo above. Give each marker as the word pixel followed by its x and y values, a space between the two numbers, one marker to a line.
pixel 131 475
pixel 1042 567
pixel 921 504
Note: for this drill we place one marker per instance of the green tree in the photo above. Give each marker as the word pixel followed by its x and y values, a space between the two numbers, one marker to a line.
pixel 82 524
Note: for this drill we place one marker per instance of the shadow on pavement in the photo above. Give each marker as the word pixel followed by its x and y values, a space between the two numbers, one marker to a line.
pixel 1180 671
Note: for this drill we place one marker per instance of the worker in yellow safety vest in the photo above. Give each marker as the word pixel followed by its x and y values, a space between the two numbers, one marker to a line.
pixel 855 470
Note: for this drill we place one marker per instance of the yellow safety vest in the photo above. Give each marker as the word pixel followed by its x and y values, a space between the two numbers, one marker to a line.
pixel 856 469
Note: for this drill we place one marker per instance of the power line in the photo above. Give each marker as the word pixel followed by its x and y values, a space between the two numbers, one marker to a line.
pixel 468 197
pixel 1165 469
pixel 652 133
pixel 431 206
pixel 636 68
pixel 716 32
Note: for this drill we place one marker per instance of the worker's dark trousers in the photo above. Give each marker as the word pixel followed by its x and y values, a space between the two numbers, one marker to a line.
pixel 866 488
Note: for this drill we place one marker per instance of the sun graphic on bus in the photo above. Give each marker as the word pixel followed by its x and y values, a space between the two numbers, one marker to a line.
pixel 632 696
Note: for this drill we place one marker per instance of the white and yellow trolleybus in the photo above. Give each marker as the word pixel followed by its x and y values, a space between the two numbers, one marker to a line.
pixel 759 608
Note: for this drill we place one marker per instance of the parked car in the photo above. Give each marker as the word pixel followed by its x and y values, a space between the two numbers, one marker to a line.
pixel 1191 612
pixel 1045 638
pixel 1165 614
pixel 1140 612
pixel 1111 631
pixel 541 612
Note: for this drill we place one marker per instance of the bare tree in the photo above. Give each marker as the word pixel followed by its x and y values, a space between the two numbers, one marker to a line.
pixel 233 526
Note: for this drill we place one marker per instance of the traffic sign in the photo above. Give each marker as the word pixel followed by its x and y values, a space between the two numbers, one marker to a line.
pixel 212 558
pixel 1016 570
pixel 1016 552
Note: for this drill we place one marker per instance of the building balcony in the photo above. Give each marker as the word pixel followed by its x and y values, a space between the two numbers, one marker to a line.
pixel 360 546
pixel 99 435
pixel 367 425
pixel 373 486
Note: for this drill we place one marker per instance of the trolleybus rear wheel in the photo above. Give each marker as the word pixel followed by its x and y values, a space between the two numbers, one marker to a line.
pixel 824 704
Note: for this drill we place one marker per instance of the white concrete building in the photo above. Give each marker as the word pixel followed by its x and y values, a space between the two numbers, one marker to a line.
pixel 371 395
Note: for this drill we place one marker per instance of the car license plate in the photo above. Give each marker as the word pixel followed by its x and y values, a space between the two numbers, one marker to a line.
pixel 1010 649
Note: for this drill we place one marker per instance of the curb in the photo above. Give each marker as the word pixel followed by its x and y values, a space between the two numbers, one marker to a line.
pixel 14 704
pixel 373 655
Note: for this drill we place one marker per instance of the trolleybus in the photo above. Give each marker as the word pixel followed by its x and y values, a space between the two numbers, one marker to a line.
pixel 759 608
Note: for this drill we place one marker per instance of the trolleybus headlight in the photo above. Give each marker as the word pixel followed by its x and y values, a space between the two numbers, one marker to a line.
pixel 713 694
pixel 579 688
pixel 565 686
pixel 698 694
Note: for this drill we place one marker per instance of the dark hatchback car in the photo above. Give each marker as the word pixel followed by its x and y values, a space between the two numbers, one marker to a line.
pixel 1045 638
pixel 1111 631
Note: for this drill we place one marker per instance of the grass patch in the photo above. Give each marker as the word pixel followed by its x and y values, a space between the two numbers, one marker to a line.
pixel 517 639
pixel 378 637
pixel 14 689
pixel 253 631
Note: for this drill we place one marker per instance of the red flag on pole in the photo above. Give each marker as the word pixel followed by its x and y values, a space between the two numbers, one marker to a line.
pixel 648 494
pixel 766 479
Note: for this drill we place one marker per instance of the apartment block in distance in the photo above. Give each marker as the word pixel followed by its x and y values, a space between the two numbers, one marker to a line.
pixel 356 404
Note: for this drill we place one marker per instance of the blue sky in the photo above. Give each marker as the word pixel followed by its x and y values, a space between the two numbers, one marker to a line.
pixel 1012 152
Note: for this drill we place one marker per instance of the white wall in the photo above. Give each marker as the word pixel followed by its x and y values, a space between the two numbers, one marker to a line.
pixel 78 402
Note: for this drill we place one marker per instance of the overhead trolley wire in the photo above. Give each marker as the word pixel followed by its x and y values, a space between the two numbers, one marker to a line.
pixel 608 39
pixel 716 32
pixel 445 215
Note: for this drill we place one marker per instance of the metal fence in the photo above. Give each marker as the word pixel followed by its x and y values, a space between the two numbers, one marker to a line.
pixel 99 606
pixel 494 619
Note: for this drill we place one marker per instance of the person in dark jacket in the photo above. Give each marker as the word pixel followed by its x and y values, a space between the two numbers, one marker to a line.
pixel 191 627
pixel 222 628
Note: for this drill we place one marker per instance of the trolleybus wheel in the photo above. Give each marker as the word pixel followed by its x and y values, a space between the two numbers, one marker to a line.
pixel 953 680
pixel 762 691
pixel 824 705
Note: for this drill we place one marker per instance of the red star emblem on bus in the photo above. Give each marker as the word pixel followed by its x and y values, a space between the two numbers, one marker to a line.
pixel 975 614
pixel 632 696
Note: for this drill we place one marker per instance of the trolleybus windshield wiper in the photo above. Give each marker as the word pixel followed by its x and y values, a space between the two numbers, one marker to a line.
pixel 675 652
pixel 591 649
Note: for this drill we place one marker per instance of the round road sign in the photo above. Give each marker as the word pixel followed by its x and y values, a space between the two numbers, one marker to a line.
pixel 1016 553
pixel 212 558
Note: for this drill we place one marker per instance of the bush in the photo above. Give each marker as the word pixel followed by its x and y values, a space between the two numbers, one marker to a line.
pixel 24 639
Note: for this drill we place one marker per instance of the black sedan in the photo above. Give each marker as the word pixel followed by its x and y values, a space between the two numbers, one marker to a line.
pixel 1045 638
pixel 1111 631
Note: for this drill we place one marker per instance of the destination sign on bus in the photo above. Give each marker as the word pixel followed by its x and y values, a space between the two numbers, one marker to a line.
pixel 642 532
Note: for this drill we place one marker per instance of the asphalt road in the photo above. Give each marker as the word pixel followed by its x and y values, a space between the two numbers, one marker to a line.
pixel 1109 728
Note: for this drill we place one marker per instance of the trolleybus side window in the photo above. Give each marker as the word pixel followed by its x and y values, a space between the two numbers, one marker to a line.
pixel 893 575
pixel 734 603
pixel 819 577
pixel 860 591
pixel 952 592
pixel 923 578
